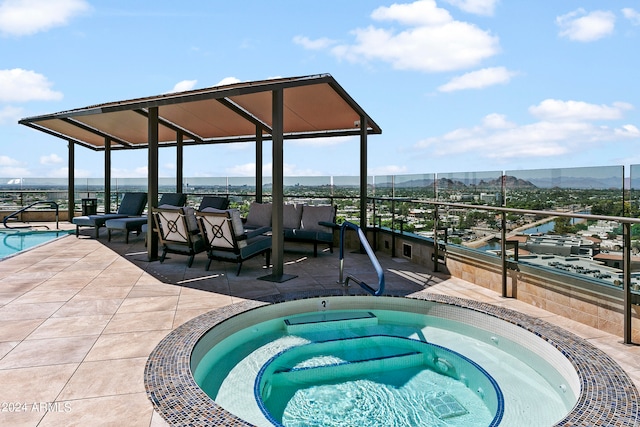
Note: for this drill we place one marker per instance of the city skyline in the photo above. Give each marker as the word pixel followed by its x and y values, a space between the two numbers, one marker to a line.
pixel 455 85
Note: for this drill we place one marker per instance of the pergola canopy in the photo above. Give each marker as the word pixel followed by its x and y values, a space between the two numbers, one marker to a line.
pixel 275 109
pixel 314 106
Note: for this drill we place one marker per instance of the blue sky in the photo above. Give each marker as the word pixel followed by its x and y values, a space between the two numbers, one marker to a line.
pixel 456 85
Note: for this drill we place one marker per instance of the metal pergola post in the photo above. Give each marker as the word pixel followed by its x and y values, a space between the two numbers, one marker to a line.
pixel 258 164
pixel 71 181
pixel 277 226
pixel 107 175
pixel 152 183
pixel 179 162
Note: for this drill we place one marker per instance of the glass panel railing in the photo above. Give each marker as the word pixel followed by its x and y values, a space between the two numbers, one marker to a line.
pixel 415 186
pixel 481 188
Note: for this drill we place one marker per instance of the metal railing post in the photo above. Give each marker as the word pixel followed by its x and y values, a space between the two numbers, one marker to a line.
pixel 503 252
pixel 626 274
pixel 436 251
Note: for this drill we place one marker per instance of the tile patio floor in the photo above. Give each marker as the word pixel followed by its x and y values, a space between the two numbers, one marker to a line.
pixel 79 317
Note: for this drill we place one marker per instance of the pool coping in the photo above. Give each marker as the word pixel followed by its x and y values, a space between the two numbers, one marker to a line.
pixel 607 393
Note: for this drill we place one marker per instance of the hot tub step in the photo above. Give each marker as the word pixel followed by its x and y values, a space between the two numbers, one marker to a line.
pixel 330 320
pixel 351 369
pixel 349 357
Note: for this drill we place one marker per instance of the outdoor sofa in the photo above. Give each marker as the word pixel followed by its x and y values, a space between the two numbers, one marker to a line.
pixel 301 223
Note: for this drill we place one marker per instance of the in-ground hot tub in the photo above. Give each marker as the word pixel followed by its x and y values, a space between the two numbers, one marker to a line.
pixel 451 359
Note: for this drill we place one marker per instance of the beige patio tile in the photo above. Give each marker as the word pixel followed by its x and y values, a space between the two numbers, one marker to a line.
pixel 105 378
pixel 131 410
pixel 17 330
pixel 6 347
pixel 47 295
pixel 133 322
pixel 76 307
pixel 14 311
pixel 183 316
pixel 31 388
pixel 192 299
pixel 138 305
pixel 34 384
pixel 51 351
pixel 156 289
pixel 102 292
pixel 71 326
pixel 125 345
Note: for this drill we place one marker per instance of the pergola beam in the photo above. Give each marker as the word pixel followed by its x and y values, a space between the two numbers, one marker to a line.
pixel 95 131
pixel 244 113
pixel 174 127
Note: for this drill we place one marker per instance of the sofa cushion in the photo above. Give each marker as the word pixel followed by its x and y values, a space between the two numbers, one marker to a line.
pixel 292 214
pixel 312 215
pixel 259 215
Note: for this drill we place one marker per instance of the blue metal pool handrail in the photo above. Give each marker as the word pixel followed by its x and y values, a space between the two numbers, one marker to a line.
pixel 15 214
pixel 372 257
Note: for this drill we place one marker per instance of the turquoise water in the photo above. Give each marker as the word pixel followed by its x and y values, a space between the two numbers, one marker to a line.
pixel 373 381
pixel 14 241
pixel 230 373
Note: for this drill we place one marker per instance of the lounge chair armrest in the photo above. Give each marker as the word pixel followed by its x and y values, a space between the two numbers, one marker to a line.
pixel 257 232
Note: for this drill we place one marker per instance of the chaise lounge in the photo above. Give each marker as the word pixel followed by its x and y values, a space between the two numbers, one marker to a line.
pixel 132 205
pixel 139 224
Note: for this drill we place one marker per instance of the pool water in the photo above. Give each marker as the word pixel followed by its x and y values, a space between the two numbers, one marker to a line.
pixel 14 241
pixel 419 394
pixel 376 380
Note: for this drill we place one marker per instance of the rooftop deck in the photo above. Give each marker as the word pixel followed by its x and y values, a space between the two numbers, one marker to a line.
pixel 79 317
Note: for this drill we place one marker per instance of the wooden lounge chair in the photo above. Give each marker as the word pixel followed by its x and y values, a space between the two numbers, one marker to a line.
pixel 227 240
pixel 132 205
pixel 178 232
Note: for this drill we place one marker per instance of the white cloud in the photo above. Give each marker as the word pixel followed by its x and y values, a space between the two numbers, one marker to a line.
pixel 564 128
pixel 18 85
pixel 183 86
pixel 586 27
pixel 432 40
pixel 51 159
pixel 249 169
pixel 14 171
pixel 555 109
pixel 8 161
pixel 139 172
pixel 323 142
pixel 497 121
pixel 25 17
pixel 388 170
pixel 478 7
pixel 12 168
pixel 317 44
pixel 228 81
pixel 10 115
pixel 478 79
pixel 632 15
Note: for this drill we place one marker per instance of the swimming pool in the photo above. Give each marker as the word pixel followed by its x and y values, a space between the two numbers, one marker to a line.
pixel 600 388
pixel 14 241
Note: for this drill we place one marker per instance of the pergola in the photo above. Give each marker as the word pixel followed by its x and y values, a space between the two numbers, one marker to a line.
pixel 276 109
